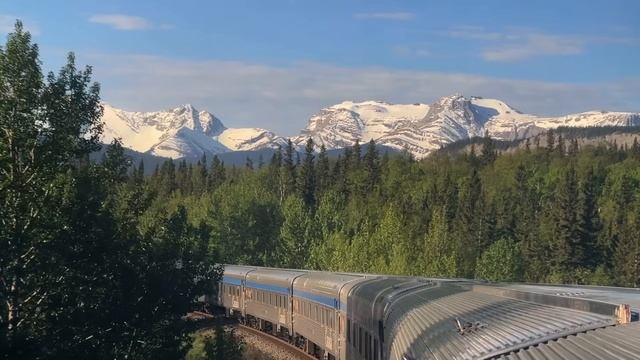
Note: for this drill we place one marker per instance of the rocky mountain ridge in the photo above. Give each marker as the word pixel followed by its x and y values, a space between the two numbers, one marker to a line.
pixel 419 128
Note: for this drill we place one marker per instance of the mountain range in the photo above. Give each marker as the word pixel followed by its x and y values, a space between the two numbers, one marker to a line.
pixel 419 128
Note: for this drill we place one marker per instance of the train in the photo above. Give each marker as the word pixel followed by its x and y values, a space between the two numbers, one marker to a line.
pixel 338 316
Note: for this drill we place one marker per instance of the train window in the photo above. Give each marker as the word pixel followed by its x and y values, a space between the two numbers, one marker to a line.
pixel 366 345
pixel 348 330
pixel 375 349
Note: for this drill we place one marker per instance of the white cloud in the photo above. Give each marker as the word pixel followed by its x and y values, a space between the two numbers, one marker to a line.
pixel 282 98
pixel 8 22
pixel 536 45
pixel 396 16
pixel 121 22
pixel 519 44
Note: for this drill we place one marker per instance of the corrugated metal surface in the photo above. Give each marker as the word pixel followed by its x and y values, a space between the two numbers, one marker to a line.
pixel 616 295
pixel 615 342
pixel 423 324
pixel 325 283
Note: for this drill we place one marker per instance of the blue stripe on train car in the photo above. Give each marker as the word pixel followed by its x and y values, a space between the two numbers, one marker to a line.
pixel 321 299
pixel 231 281
pixel 267 287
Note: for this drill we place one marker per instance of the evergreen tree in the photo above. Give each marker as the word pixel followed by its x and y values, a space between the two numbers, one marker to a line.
pixel 276 158
pixel 489 153
pixel 116 163
pixel 200 175
pixel 356 154
pixel 323 169
pixel 217 175
pixel 468 233
pixel 307 175
pixel 551 141
pixel 567 251
pixel 589 221
pixel 372 167
pixel 288 172
pixel 560 147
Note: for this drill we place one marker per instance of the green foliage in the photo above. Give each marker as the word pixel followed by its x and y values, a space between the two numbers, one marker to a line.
pixel 439 253
pixel 221 345
pixel 78 279
pixel 500 262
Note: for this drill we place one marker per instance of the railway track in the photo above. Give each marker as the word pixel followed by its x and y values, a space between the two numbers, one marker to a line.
pixel 297 352
pixel 278 342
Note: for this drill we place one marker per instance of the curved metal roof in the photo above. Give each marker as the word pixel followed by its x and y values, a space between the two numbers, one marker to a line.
pixel 614 342
pixel 452 321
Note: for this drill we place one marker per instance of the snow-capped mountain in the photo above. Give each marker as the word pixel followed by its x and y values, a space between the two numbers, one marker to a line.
pixel 181 132
pixel 419 128
pixel 423 128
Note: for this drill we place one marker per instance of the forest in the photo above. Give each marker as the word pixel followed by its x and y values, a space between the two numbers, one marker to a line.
pixel 100 260
pixel 552 211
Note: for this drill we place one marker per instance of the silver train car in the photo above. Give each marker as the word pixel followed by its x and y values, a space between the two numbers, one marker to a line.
pixel 378 317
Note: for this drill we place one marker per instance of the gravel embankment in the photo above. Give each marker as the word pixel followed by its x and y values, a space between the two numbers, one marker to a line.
pixel 258 348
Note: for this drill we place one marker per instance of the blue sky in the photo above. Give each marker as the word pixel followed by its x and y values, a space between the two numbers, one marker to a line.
pixel 273 64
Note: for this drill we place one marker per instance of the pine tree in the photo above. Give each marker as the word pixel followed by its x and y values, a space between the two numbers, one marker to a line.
pixel 248 164
pixel 356 154
pixel 567 251
pixel 372 167
pixel 217 175
pixel 589 221
pixel 468 225
pixel 288 172
pixel 307 176
pixel 323 170
pixel 551 141
pixel 139 175
pixel 276 158
pixel 116 163
pixel 489 153
pixel 560 147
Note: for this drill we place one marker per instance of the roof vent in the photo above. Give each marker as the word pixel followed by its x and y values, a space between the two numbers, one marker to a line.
pixel 466 327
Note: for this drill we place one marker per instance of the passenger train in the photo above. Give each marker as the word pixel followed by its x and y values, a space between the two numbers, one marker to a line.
pixel 377 317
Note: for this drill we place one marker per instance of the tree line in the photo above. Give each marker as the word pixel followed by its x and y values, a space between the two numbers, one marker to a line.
pixel 552 211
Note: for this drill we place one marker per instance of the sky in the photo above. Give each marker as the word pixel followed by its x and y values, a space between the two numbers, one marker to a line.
pixel 273 64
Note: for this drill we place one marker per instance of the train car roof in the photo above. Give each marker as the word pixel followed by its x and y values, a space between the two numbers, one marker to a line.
pixel 464 321
pixel 237 270
pixel 325 282
pixel 272 275
pixel 609 294
pixel 614 342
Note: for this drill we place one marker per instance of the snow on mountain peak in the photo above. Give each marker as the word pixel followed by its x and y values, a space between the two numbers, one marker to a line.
pixel 420 128
pixel 180 132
